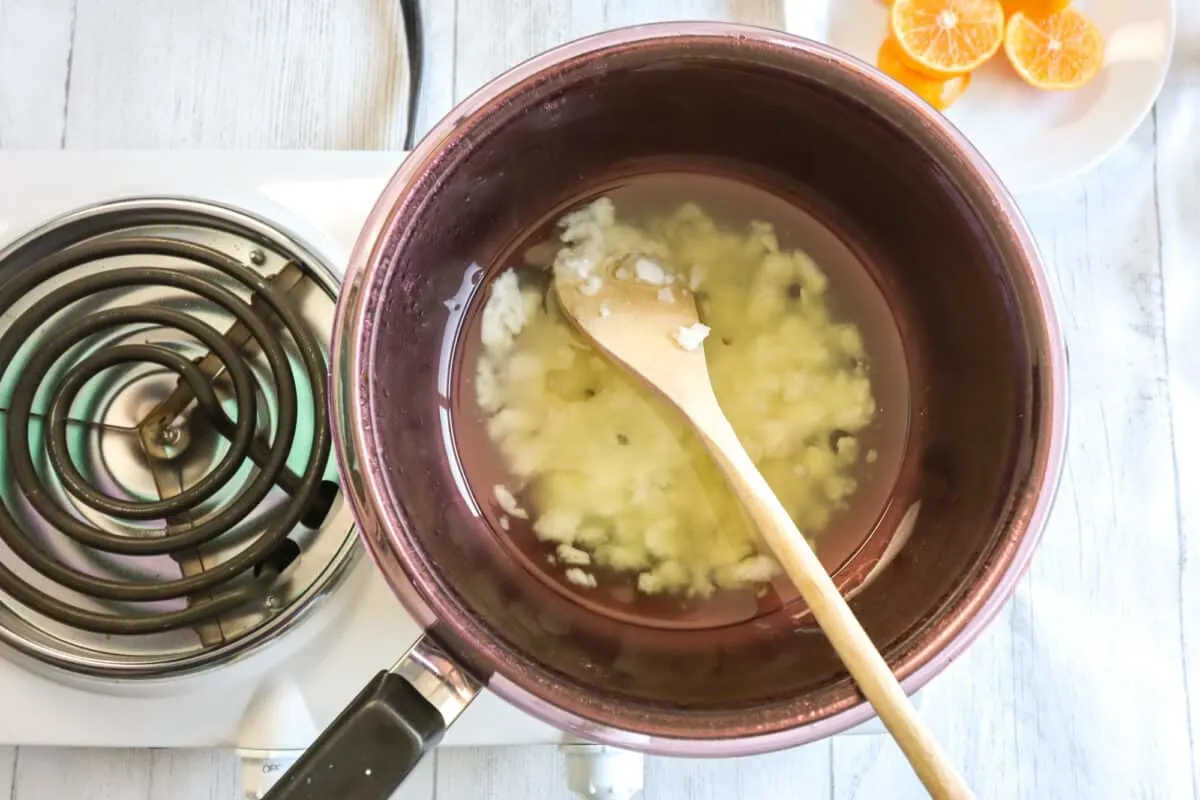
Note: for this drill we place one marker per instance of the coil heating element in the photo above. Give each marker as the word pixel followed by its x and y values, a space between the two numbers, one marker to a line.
pixel 27 362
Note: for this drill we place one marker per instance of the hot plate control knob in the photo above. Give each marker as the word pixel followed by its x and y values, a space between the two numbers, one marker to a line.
pixel 262 769
pixel 600 772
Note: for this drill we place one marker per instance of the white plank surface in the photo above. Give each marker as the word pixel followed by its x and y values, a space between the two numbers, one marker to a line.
pixel 540 772
pixel 487 43
pixel 35 46
pixel 1178 184
pixel 193 775
pixel 227 73
pixel 45 773
pixel 1087 686
pixel 800 774
pixel 1087 660
pixel 487 772
pixel 439 22
pixel 8 774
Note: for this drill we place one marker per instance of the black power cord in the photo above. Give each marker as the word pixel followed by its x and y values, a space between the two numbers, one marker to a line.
pixel 414 39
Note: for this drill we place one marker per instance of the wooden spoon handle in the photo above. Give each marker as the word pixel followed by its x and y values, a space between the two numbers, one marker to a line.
pixel 841 627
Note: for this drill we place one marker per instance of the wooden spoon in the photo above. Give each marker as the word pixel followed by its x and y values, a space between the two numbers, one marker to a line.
pixel 654 331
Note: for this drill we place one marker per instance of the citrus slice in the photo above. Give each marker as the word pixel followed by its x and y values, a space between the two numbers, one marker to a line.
pixel 946 38
pixel 1061 51
pixel 1034 8
pixel 941 94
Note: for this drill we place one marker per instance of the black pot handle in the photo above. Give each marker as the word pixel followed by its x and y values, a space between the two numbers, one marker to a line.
pixel 381 736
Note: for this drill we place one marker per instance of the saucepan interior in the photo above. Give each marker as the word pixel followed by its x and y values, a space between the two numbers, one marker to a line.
pixel 944 245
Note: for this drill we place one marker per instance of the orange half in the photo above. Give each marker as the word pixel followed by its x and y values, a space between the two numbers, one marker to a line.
pixel 941 94
pixel 1061 51
pixel 946 38
pixel 1034 8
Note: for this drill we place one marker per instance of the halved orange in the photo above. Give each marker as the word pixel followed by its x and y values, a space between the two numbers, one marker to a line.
pixel 946 38
pixel 941 94
pixel 1034 8
pixel 1061 51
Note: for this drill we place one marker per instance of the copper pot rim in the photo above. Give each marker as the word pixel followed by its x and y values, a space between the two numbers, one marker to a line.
pixel 513 675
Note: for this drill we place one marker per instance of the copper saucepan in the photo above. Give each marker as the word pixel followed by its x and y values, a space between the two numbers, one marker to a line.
pixel 985 363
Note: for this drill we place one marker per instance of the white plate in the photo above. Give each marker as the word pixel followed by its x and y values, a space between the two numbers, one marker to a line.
pixel 1031 138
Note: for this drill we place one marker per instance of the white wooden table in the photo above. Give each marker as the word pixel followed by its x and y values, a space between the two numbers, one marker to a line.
pixel 1087 686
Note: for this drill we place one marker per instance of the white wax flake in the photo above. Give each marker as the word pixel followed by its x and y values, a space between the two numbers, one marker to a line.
pixel 756 569
pixel 649 583
pixel 578 266
pixel 580 578
pixel 509 503
pixel 690 337
pixel 591 286
pixel 639 512
pixel 505 315
pixel 648 271
pixel 573 555
pixel 665 295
